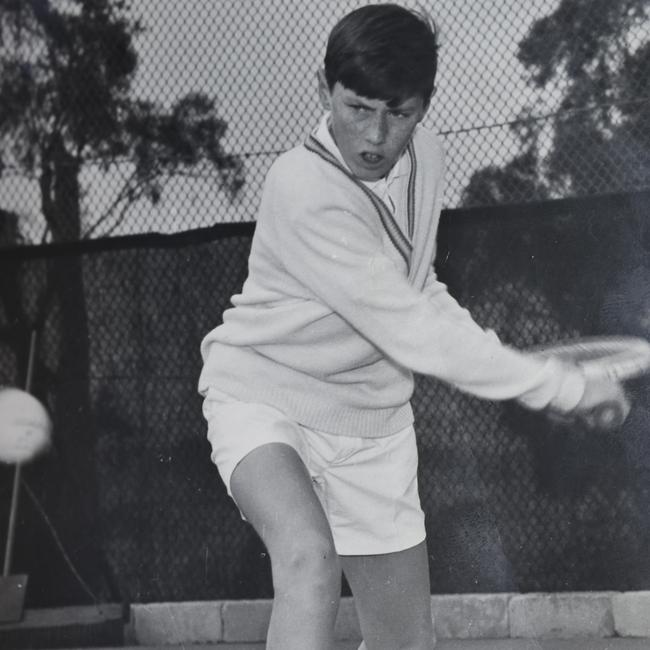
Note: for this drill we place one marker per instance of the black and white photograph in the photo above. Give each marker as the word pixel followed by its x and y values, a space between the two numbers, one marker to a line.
pixel 325 325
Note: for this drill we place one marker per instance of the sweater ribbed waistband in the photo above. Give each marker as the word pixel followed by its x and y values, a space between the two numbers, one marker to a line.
pixel 248 376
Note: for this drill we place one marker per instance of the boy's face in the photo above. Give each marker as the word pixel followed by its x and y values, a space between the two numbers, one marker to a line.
pixel 370 135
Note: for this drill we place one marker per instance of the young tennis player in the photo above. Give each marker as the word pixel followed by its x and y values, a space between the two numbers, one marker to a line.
pixel 307 382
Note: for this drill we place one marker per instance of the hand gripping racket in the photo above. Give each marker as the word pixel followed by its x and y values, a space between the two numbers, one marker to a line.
pixel 618 358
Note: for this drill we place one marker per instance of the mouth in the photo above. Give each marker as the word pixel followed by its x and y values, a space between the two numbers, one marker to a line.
pixel 372 159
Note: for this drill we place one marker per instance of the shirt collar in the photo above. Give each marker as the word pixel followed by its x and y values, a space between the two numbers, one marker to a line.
pixel 323 135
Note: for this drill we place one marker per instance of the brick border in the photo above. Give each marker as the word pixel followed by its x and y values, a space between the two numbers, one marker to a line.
pixel 456 616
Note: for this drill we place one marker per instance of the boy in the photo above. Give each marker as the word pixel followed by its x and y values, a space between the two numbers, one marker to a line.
pixel 307 382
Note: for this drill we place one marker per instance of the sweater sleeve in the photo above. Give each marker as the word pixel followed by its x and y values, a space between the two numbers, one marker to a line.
pixel 565 384
pixel 437 293
pixel 338 253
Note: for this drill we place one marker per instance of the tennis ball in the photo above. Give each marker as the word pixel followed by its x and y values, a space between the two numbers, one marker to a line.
pixel 25 426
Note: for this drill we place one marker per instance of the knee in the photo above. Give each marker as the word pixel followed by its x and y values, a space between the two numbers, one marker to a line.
pixel 309 560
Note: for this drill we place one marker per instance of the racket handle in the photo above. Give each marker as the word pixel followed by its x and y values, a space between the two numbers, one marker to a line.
pixel 605 417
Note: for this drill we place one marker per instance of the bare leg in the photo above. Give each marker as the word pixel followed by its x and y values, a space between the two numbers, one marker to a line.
pixel 392 597
pixel 274 492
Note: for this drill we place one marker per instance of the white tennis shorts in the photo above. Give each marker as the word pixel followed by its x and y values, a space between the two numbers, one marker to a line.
pixel 367 486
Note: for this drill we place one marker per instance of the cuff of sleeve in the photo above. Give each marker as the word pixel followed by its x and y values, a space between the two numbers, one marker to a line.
pixel 571 390
pixel 559 386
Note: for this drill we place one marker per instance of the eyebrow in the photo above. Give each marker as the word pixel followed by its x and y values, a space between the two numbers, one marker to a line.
pixel 404 107
pixel 357 99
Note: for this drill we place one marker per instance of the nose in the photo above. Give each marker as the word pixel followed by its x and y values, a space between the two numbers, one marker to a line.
pixel 377 128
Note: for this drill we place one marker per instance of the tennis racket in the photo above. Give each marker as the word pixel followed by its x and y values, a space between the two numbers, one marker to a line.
pixel 618 358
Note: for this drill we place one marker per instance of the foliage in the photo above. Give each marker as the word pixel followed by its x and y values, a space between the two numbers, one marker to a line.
pixel 587 50
pixel 65 77
pixel 66 68
pixel 162 144
pixel 518 177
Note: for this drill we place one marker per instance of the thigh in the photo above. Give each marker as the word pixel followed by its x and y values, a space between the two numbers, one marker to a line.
pixel 273 490
pixel 392 597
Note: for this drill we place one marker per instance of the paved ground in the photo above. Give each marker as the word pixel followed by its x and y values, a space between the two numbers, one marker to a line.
pixel 444 644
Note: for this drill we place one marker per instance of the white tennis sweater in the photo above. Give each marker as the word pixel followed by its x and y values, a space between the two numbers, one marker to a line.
pixel 341 304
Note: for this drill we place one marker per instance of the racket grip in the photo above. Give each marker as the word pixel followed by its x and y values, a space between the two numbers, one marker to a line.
pixel 605 417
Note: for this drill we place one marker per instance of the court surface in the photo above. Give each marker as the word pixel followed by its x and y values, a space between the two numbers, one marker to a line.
pixel 482 644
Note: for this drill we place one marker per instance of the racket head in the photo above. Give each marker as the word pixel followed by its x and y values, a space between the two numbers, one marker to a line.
pixel 608 357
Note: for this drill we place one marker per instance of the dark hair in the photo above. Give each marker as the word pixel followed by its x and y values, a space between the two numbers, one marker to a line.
pixel 383 51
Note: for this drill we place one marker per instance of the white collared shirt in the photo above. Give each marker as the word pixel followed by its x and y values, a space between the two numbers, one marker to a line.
pixel 388 188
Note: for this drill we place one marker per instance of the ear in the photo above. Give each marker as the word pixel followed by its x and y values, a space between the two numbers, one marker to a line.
pixel 425 108
pixel 323 90
pixel 427 104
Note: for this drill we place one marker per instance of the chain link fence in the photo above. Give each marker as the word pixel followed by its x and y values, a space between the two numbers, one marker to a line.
pixel 512 501
pixel 127 504
pixel 534 99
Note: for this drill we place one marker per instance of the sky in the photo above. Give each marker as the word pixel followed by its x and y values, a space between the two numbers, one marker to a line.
pixel 258 59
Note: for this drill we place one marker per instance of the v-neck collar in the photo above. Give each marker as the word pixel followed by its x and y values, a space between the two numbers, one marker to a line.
pixel 399 238
pixel 331 154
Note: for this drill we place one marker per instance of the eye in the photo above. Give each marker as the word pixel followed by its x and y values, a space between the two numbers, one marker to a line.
pixel 359 108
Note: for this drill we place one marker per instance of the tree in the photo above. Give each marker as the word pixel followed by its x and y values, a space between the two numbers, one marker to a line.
pixel 600 131
pixel 519 177
pixel 65 79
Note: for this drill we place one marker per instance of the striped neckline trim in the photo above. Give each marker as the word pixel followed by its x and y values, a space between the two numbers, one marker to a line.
pixel 410 207
pixel 395 234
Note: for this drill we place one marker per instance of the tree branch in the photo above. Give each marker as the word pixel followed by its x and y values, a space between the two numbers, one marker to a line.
pixel 129 193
